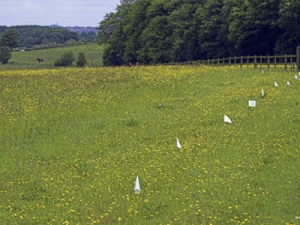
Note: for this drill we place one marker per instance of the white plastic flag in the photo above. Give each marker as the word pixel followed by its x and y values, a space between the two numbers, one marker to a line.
pixel 262 72
pixel 288 83
pixel 178 145
pixel 137 186
pixel 299 73
pixel 276 85
pixel 226 119
pixel 252 103
pixel 262 93
pixel 296 77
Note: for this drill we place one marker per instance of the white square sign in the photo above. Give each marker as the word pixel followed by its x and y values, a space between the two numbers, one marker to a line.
pixel 252 103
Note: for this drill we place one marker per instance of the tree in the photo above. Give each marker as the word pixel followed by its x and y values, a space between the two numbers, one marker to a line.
pixel 136 22
pixel 81 61
pixel 10 38
pixel 213 28
pixel 111 32
pixel 66 59
pixel 5 54
pixel 156 38
pixel 289 22
pixel 253 26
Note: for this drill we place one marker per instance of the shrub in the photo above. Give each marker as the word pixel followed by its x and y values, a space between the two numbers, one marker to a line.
pixel 5 54
pixel 66 59
pixel 81 61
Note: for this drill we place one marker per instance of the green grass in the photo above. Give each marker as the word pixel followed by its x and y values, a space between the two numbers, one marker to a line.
pixel 27 59
pixel 74 140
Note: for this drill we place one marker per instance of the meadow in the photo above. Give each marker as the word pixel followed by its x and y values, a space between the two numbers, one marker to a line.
pixel 74 140
pixel 28 59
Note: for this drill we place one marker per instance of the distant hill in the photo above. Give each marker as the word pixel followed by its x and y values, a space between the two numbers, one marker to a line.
pixel 81 30
pixel 32 35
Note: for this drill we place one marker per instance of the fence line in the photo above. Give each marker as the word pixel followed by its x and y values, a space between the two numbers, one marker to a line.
pixel 285 61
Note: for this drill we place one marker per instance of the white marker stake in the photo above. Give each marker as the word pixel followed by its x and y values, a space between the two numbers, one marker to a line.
pixel 137 186
pixel 226 119
pixel 252 103
pixel 262 93
pixel 178 145
pixel 299 73
pixel 262 72
pixel 296 77
pixel 288 83
pixel 276 85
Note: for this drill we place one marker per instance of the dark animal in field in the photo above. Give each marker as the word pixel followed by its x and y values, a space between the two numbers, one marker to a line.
pixel 40 60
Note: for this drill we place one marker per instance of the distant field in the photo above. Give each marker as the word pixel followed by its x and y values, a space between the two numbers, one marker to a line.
pixel 72 142
pixel 93 53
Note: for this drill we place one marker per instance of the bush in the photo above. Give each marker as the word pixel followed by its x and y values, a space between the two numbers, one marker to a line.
pixel 5 54
pixel 66 59
pixel 81 61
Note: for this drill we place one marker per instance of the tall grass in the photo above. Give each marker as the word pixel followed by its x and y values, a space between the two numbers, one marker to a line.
pixel 74 140
pixel 28 59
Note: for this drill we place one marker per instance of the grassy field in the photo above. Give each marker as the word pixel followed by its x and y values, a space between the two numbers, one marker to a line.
pixel 74 140
pixel 27 59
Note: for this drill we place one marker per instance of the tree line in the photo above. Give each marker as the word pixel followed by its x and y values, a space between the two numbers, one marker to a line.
pixel 158 31
pixel 31 35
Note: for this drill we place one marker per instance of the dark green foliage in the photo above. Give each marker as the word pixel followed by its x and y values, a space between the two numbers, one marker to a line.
pixel 36 35
pixel 81 61
pixel 5 54
pixel 10 38
pixel 156 31
pixel 66 59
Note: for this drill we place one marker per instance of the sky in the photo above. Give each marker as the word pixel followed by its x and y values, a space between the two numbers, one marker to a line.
pixel 49 12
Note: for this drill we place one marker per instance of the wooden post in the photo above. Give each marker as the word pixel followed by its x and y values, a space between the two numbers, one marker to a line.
pixel 285 62
pixel 268 61
pixel 260 61
pixel 247 61
pixel 241 62
pixel 223 60
pixel 234 60
pixel 255 62
pixel 229 61
pixel 275 62
pixel 298 58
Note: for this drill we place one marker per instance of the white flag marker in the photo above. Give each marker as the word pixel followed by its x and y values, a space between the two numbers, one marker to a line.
pixel 276 85
pixel 296 77
pixel 226 119
pixel 288 83
pixel 262 72
pixel 178 145
pixel 262 93
pixel 299 73
pixel 137 186
pixel 252 103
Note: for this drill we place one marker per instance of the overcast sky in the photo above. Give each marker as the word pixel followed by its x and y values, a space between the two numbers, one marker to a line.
pixel 48 12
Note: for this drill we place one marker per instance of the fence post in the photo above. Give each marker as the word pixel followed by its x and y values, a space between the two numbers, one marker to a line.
pixel 275 62
pixel 241 61
pixel 298 58
pixel 229 61
pixel 247 61
pixel 255 62
pixel 268 61
pixel 260 61
pixel 285 62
